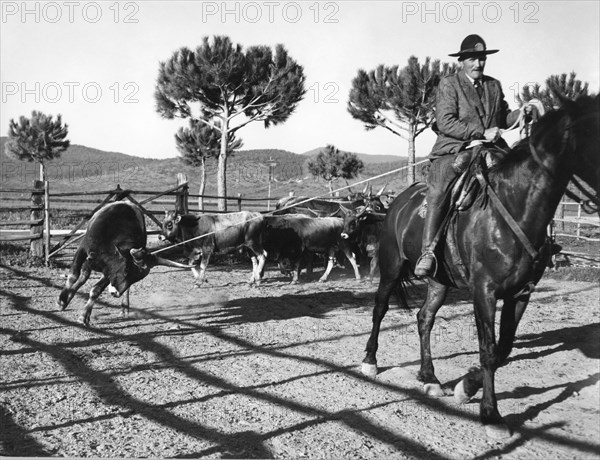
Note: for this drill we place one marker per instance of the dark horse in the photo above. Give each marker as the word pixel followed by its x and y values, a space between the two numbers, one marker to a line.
pixel 481 251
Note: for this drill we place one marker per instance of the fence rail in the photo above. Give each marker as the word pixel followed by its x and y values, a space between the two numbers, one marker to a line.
pixel 46 213
pixel 46 210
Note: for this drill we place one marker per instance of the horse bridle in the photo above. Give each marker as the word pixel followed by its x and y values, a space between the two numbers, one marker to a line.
pixel 592 203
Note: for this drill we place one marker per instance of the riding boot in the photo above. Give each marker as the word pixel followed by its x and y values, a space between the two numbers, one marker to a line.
pixel 433 221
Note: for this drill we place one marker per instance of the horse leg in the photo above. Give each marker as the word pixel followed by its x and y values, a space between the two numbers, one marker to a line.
pixel 512 312
pixel 94 294
pixel 436 294
pixel 485 309
pixel 390 277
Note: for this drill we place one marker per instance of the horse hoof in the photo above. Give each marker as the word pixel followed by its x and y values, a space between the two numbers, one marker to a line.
pixel 497 431
pixel 370 370
pixel 433 389
pixel 460 395
pixel 85 321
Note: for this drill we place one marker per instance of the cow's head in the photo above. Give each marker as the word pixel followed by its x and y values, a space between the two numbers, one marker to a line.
pixel 170 226
pixel 352 220
pixel 130 265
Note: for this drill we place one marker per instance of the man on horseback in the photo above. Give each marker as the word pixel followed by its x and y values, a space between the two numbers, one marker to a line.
pixel 470 106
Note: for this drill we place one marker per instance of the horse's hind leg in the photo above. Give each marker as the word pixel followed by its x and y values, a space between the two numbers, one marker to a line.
pixel 436 294
pixel 390 277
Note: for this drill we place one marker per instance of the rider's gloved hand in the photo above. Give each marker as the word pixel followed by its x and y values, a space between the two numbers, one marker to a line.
pixel 530 112
pixel 492 134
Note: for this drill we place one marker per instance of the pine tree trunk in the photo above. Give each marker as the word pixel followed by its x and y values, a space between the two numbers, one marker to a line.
pixel 222 165
pixel 330 187
pixel 411 154
pixel 202 185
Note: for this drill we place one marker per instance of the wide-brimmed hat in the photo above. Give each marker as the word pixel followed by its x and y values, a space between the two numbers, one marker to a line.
pixel 472 44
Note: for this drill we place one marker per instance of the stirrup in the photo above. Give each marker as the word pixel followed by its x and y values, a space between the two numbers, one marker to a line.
pixel 435 262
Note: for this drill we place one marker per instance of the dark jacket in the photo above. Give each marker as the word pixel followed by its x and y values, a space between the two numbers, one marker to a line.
pixel 461 116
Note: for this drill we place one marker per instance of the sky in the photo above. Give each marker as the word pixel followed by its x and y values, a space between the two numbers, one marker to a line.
pixel 96 63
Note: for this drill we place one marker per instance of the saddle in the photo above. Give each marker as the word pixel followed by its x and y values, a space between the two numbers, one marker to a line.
pixel 467 187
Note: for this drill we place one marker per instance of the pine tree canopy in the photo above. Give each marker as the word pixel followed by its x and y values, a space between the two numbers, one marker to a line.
pixel 566 85
pixel 198 142
pixel 398 98
pixel 331 164
pixel 39 138
pixel 227 81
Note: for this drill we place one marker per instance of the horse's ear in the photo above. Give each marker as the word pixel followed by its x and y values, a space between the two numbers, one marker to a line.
pixel 563 100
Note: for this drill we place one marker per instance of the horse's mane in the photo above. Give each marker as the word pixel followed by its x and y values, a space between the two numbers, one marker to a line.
pixel 521 150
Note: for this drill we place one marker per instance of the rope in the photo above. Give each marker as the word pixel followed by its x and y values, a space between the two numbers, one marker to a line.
pixel 520 121
pixel 292 206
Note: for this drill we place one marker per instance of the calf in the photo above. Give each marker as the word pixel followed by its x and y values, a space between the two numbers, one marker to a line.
pixel 114 245
pixel 293 235
pixel 363 228
pixel 208 233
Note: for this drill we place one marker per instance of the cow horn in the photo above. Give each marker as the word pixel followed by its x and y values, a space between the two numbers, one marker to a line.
pixel 364 192
pixel 171 263
pixel 382 189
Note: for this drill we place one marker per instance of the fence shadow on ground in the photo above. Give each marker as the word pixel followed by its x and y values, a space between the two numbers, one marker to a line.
pixel 248 443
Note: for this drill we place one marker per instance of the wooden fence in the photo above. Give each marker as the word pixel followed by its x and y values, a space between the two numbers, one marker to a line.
pixel 56 221
pixel 569 217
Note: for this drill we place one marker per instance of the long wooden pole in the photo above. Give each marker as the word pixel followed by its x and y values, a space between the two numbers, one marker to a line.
pixel 47 221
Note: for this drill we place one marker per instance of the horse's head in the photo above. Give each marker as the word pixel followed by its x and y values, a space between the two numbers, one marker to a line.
pixel 566 140
pixel 584 123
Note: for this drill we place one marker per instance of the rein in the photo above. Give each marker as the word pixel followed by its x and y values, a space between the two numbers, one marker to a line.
pixel 514 226
pixel 589 206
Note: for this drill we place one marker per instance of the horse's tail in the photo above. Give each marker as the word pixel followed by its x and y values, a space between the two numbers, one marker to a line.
pixel 401 291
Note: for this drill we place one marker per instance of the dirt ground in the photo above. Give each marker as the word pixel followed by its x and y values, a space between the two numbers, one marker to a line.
pixel 229 370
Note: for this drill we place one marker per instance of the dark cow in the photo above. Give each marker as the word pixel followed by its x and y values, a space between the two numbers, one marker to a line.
pixel 114 245
pixel 292 236
pixel 218 232
pixel 326 208
pixel 363 228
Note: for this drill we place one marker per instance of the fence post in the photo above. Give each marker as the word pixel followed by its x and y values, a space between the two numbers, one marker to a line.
pixel 578 220
pixel 37 212
pixel 562 216
pixel 239 200
pixel 47 221
pixel 181 201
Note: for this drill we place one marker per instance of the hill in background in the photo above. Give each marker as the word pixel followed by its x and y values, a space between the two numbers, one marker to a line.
pixel 82 168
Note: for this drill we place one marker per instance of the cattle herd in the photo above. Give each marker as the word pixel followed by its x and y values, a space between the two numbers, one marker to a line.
pixel 115 243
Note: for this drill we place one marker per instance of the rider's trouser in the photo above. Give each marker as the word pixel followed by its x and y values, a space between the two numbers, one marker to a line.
pixel 442 173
